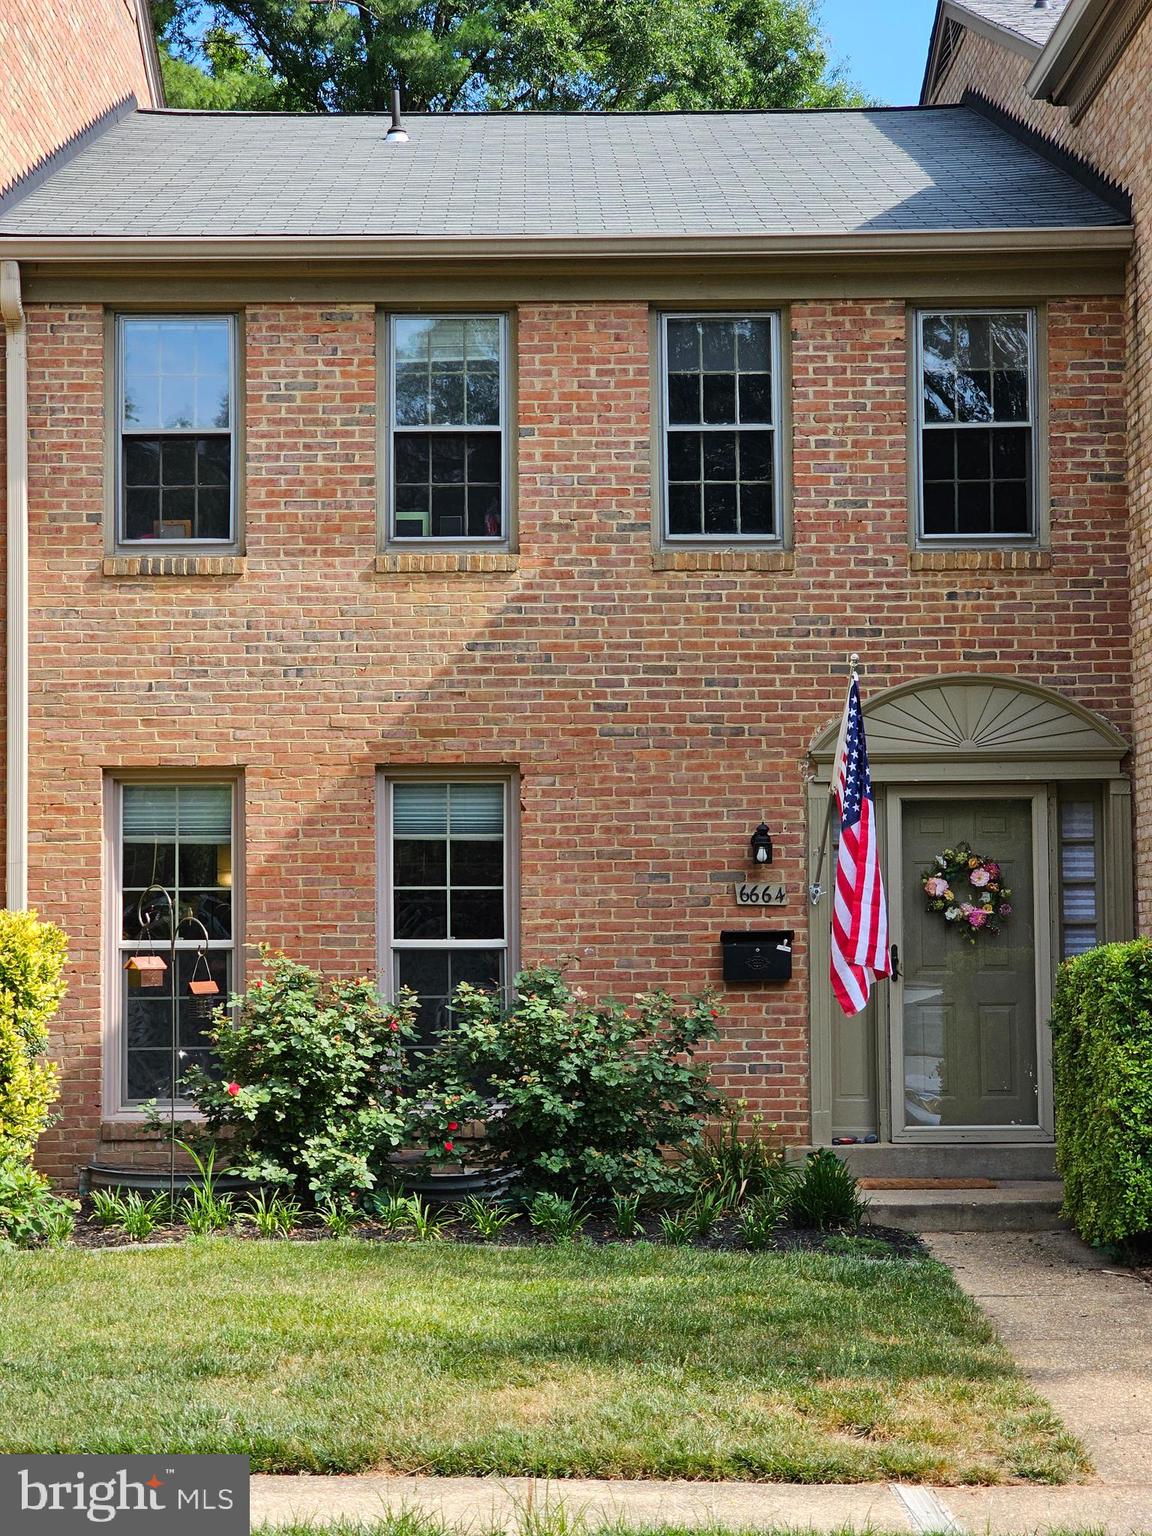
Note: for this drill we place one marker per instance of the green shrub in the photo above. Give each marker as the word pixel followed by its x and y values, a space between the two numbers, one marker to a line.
pixel 624 1216
pixel 32 959
pixel 1102 1066
pixel 585 1095
pixel 307 1080
pixel 825 1194
pixel 29 1212
pixel 486 1218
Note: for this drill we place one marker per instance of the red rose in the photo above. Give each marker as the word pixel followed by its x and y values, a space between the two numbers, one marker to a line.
pixel 393 1026
pixel 453 1126
pixel 257 983
pixel 715 1013
pixel 447 1146
pixel 233 1089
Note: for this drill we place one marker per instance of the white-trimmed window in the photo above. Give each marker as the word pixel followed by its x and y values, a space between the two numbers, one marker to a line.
pixel 176 393
pixel 976 424
pixel 447 872
pixel 447 452
pixel 172 841
pixel 720 402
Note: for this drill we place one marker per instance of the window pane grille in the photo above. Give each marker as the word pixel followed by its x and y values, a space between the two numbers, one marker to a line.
pixel 977 425
pixel 720 415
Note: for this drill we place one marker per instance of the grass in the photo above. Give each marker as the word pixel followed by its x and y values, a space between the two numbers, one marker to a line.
pixel 567 1361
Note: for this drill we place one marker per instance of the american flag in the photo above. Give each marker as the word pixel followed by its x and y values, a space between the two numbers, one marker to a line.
pixel 859 910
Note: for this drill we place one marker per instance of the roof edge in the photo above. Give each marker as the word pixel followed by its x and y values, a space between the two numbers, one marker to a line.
pixel 1100 239
pixel 1079 56
pixel 1087 175
pixel 150 49
pixel 50 163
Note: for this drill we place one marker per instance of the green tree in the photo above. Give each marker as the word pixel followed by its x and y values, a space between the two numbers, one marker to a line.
pixel 543 55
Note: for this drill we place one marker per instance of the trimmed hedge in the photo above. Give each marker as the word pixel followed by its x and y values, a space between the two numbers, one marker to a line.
pixel 1102 1063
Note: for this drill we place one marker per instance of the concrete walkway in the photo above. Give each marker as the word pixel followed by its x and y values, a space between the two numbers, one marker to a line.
pixel 1080 1329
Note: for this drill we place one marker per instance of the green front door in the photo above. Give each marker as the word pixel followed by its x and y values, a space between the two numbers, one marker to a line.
pixel 964 1016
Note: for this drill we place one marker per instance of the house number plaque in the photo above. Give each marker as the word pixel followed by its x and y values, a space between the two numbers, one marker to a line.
pixel 758 894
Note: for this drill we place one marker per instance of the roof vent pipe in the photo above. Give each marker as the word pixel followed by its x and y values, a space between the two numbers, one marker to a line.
pixel 1041 5
pixel 397 133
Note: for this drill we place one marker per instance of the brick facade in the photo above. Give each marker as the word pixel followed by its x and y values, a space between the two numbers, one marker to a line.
pixel 653 713
pixel 1114 135
pixel 66 62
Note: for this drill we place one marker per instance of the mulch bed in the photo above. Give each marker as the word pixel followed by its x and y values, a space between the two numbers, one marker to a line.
pixel 520 1234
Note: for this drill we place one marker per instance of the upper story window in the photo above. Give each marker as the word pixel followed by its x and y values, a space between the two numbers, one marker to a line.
pixel 976 407
pixel 721 432
pixel 447 408
pixel 177 429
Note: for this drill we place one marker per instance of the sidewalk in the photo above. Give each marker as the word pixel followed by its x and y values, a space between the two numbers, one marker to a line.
pixel 1081 1330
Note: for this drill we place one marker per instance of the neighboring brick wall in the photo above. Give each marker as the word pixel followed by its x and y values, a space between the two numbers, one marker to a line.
pixel 1115 135
pixel 654 714
pixel 65 62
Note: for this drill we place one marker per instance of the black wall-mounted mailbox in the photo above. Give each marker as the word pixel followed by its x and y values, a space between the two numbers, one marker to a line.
pixel 762 955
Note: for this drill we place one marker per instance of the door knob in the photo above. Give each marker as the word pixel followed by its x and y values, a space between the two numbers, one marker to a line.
pixel 895 963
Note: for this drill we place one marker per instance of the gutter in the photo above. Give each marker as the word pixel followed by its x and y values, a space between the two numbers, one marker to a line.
pixel 16 407
pixel 239 249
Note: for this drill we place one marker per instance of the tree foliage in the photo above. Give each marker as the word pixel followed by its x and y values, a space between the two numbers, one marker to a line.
pixel 456 55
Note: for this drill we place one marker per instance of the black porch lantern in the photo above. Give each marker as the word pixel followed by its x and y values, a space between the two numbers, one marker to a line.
pixel 760 845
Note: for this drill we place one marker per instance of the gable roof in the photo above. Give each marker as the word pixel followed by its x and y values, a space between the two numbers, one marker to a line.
pixel 1023 18
pixel 192 175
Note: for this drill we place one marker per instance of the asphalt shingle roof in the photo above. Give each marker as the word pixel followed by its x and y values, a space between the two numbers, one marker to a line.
pixel 178 174
pixel 1034 22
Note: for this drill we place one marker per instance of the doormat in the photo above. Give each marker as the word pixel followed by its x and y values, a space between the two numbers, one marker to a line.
pixel 929 1184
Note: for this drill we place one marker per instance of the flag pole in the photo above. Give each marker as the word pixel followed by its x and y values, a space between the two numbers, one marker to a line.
pixel 816 890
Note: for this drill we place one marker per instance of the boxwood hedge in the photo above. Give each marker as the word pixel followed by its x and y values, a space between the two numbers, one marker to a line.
pixel 1102 1061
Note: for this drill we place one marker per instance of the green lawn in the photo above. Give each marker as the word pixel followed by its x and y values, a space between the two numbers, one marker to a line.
pixel 581 1361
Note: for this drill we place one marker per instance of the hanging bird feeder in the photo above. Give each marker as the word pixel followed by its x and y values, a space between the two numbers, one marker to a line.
pixel 145 970
pixel 202 986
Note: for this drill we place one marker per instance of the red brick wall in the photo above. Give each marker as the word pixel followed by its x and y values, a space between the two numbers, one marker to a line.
pixel 654 714
pixel 65 62
pixel 1115 135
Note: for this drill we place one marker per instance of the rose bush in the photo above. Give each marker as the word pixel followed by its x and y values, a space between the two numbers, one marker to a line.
pixel 579 1095
pixel 310 1079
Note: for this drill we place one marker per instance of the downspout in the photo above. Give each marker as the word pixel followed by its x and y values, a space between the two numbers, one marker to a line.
pixel 16 409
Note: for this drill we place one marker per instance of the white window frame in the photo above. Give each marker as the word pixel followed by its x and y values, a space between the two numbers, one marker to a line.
pixel 201 546
pixel 938 540
pixel 503 540
pixel 387 947
pixel 774 540
pixel 116 1106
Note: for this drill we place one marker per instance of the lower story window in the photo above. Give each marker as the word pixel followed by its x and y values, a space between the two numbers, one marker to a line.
pixel 446 876
pixel 174 870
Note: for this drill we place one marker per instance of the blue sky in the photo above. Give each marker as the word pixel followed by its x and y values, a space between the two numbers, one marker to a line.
pixel 883 44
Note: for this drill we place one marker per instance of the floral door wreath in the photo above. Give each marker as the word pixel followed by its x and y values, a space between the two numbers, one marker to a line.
pixel 988 905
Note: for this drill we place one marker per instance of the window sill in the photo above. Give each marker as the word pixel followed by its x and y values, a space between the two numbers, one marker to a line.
pixel 448 562
pixel 175 565
pixel 723 560
pixel 980 560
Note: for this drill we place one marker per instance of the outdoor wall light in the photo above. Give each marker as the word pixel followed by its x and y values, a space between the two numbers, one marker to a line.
pixel 760 845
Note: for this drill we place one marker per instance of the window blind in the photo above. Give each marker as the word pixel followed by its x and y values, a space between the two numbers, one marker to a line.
pixel 435 810
pixel 192 813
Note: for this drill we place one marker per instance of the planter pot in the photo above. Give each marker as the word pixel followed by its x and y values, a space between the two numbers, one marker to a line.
pixel 445 1186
